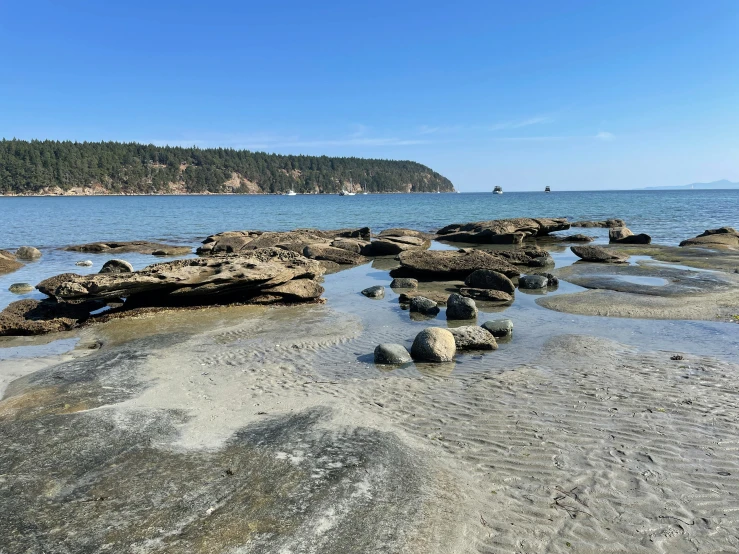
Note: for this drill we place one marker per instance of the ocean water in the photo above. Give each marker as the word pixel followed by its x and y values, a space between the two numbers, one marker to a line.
pixel 50 223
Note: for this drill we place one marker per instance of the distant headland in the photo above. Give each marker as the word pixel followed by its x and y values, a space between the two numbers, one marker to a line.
pixel 65 168
pixel 722 184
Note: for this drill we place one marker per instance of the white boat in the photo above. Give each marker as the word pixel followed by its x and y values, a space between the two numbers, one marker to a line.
pixel 547 189
pixel 346 193
pixel 498 190
pixel 292 193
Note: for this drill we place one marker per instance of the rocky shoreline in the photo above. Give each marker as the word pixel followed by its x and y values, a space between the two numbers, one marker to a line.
pixel 344 391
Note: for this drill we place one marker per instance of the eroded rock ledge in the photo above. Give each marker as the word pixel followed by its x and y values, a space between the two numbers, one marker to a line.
pixel 501 231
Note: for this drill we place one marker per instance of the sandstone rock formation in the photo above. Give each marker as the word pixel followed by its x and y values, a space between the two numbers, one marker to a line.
pixel 501 231
pixel 624 235
pixel 8 262
pixel 603 224
pixel 447 265
pixel 262 275
pixel 723 237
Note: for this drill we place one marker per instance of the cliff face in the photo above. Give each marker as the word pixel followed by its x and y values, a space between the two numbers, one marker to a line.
pixel 71 168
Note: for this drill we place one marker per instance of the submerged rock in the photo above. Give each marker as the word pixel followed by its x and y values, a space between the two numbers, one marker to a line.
pixel 404 283
pixel 499 327
pixel 377 291
pixel 138 246
pixel 623 235
pixel 723 237
pixel 20 288
pixel 486 295
pixel 598 254
pixel 84 263
pixel 394 354
pixel 578 238
pixel 116 266
pixel 8 263
pixel 501 231
pixel 532 282
pixel 603 223
pixel 261 275
pixel 472 337
pixel 445 265
pixel 434 345
pixel 28 253
pixel 489 279
pixel 460 307
pixel 423 305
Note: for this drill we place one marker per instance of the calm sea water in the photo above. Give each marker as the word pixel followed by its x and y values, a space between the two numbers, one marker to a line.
pixel 53 222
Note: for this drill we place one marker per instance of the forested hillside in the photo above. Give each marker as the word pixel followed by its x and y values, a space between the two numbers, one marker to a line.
pixel 52 167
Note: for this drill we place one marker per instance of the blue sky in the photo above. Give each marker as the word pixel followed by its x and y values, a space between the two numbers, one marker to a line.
pixel 575 95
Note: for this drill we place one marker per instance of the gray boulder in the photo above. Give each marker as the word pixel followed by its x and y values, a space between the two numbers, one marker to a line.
pixel 499 327
pixel 116 266
pixel 404 283
pixel 598 254
pixel 552 281
pixel 28 253
pixel 472 337
pixel 21 288
pixel 378 291
pixel 459 307
pixel 489 279
pixel 434 345
pixel 389 353
pixel 423 305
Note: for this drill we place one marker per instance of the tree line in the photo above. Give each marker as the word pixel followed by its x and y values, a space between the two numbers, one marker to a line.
pixel 35 167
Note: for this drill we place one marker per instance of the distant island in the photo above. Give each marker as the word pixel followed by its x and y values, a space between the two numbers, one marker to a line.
pixel 48 167
pixel 722 184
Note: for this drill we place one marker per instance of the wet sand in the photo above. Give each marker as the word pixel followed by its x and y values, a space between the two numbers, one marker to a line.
pixel 270 430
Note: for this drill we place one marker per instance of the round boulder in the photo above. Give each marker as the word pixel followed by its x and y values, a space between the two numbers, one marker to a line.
pixel 20 288
pixel 28 253
pixel 404 283
pixel 489 279
pixel 84 263
pixel 116 266
pixel 459 307
pixel 389 353
pixel 434 345
pixel 377 291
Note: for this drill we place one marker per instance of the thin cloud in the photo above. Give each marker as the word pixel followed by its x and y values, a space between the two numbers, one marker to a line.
pixel 605 135
pixel 519 124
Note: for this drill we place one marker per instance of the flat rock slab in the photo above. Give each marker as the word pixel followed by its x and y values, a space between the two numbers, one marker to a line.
pixel 605 223
pixel 35 317
pixel 486 295
pixel 598 254
pixel 445 265
pixel 139 246
pixel 203 281
pixel 230 242
pixel 501 231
